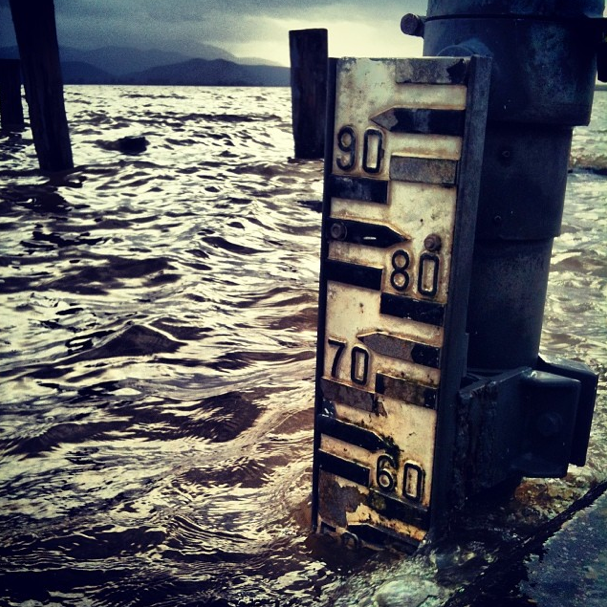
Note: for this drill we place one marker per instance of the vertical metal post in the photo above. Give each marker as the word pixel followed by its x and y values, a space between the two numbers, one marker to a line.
pixel 11 108
pixel 36 33
pixel 309 56
pixel 520 415
pixel 542 86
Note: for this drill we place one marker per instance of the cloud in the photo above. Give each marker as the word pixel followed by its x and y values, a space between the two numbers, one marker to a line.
pixel 244 27
pixel 351 36
pixel 355 29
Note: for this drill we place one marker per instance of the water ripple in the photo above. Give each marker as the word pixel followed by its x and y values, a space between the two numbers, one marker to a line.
pixel 157 352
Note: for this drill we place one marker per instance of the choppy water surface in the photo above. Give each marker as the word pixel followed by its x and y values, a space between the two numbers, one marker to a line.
pixel 157 356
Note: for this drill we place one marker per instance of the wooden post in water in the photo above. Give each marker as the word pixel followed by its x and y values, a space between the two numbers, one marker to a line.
pixel 309 57
pixel 36 33
pixel 11 108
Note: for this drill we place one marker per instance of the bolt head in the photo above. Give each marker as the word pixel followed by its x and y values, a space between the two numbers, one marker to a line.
pixel 412 25
pixel 338 230
pixel 433 242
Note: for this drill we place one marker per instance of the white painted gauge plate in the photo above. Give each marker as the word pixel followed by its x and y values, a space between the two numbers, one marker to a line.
pixel 405 138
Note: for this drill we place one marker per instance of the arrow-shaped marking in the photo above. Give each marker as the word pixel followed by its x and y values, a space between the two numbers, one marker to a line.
pixel 368 234
pixel 350 433
pixel 403 349
pixel 421 120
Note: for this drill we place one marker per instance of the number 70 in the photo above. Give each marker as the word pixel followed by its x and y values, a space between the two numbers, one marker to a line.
pixel 359 361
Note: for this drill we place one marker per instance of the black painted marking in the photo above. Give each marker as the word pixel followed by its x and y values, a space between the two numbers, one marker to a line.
pixel 358 188
pixel 340 345
pixel 421 120
pixel 402 349
pixel 428 356
pixel 385 473
pixel 394 508
pixel 353 274
pixel 399 278
pixel 344 468
pixel 415 473
pixel 359 375
pixel 423 170
pixel 428 312
pixel 408 391
pixel 349 433
pixel 368 234
pixel 382 537
pixel 348 395
pixel 376 168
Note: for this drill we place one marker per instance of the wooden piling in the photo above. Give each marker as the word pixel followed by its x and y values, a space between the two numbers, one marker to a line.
pixel 309 58
pixel 11 108
pixel 36 33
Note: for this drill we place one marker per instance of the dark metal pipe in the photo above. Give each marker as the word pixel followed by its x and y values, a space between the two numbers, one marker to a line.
pixel 544 58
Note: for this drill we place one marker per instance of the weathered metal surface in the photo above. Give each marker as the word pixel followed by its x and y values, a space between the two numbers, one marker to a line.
pixel 524 422
pixel 423 170
pixel 411 120
pixel 588 388
pixel 523 194
pixel 442 71
pixel 412 25
pixel 544 59
pixel 536 8
pixel 401 184
pixel 507 295
pixel 521 416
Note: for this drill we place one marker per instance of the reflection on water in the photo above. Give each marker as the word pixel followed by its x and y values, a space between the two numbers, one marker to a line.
pixel 157 358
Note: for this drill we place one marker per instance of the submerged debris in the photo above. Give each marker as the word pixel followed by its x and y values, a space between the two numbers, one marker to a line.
pixel 133 145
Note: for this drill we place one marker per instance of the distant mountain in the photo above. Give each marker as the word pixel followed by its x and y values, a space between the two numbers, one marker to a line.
pixel 79 72
pixel 256 61
pixel 212 73
pixel 121 60
pixel 115 65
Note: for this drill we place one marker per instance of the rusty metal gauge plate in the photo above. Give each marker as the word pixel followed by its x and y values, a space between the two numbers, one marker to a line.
pixel 404 151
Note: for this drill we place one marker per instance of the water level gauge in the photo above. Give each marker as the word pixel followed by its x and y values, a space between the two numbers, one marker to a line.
pixel 405 141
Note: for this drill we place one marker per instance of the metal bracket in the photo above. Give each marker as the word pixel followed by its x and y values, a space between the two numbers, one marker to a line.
pixel 525 422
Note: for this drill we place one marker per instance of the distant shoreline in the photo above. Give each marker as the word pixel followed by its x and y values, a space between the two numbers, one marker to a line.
pixel 123 65
pixel 140 84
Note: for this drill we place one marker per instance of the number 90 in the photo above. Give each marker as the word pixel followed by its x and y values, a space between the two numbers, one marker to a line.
pixel 373 150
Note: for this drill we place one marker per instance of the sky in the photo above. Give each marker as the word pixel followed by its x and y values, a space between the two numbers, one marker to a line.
pixel 246 28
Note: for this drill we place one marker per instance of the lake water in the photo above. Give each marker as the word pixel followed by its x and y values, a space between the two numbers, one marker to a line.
pixel 157 350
